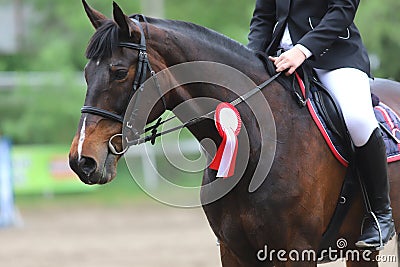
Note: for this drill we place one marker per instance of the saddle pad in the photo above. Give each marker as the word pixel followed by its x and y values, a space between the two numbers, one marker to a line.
pixel 391 132
pixel 385 116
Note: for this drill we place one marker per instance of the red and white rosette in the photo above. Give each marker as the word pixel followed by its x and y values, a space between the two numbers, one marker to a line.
pixel 228 123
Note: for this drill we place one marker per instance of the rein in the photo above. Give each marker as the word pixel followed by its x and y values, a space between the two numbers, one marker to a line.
pixel 140 77
pixel 209 115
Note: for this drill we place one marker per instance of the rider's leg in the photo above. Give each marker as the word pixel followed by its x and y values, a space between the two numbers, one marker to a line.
pixel 352 90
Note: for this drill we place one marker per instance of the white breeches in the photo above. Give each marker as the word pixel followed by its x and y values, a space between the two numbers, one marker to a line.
pixel 352 91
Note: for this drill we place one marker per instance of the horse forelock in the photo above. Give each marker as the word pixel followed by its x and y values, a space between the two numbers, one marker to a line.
pixel 104 41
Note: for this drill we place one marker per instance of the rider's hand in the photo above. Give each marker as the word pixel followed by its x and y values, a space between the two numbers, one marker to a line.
pixel 289 60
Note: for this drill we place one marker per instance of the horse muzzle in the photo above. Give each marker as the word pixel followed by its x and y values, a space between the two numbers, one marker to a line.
pixel 93 162
pixel 91 171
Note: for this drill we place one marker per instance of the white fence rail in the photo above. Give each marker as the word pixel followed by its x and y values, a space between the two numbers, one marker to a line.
pixel 148 154
pixel 12 79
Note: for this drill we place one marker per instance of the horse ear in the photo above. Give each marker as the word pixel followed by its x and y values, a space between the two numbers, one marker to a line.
pixel 95 16
pixel 122 20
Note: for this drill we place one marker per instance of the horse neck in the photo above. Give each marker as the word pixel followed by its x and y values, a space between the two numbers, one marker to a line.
pixel 173 43
pixel 190 45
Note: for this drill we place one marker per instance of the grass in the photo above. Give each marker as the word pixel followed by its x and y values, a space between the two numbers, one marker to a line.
pixel 123 190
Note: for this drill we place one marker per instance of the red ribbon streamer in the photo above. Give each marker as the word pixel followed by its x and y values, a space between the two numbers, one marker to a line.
pixel 228 123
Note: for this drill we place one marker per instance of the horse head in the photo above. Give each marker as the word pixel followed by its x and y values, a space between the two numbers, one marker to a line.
pixel 123 53
pixel 118 65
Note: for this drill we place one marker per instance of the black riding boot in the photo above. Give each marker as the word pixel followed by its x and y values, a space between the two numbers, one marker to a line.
pixel 372 165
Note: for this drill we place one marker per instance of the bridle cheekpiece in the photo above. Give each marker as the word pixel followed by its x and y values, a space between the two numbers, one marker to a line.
pixel 143 65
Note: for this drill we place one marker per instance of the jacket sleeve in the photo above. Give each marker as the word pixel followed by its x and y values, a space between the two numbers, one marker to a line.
pixel 261 25
pixel 338 18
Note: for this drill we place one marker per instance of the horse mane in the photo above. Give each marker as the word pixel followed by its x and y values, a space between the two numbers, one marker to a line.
pixel 105 39
pixel 202 34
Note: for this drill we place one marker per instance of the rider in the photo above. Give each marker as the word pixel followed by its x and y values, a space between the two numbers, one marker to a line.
pixel 323 33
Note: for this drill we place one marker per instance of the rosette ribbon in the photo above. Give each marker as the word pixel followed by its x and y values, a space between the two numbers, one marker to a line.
pixel 228 123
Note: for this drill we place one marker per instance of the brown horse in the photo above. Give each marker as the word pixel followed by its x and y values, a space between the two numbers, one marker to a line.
pixel 293 206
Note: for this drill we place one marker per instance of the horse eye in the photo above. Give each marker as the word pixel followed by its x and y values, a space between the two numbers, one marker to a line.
pixel 119 74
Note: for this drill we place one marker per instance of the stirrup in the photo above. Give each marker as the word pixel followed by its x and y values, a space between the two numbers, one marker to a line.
pixel 376 247
pixel 381 245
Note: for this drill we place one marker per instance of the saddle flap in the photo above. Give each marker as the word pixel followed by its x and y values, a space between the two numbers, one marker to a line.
pixel 330 111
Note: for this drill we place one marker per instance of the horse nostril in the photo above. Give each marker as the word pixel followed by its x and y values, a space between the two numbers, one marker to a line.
pixel 87 165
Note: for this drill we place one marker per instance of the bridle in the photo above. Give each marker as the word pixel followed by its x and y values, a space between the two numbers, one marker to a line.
pixel 143 66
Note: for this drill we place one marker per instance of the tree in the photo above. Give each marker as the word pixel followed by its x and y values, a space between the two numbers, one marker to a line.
pixel 153 8
pixel 379 23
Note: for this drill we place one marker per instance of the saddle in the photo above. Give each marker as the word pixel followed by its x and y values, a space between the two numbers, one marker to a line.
pixel 309 92
pixel 305 86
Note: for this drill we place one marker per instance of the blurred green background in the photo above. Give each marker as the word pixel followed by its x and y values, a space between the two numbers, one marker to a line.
pixel 42 86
